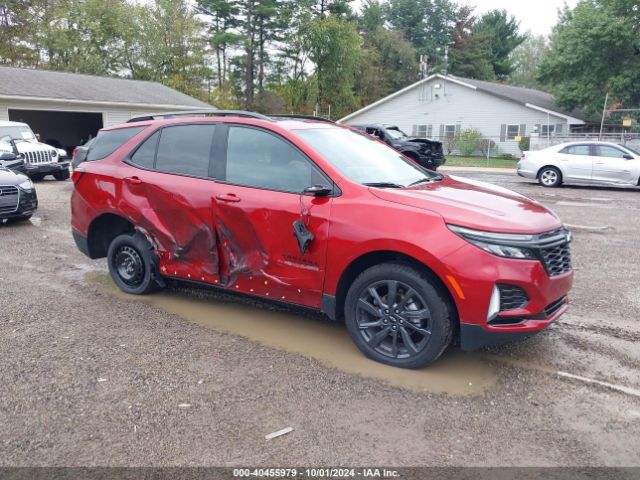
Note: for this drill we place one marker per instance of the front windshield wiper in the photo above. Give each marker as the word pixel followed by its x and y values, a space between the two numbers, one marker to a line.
pixel 435 178
pixel 383 185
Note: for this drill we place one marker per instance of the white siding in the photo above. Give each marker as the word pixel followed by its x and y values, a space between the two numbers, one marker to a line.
pixel 454 104
pixel 4 112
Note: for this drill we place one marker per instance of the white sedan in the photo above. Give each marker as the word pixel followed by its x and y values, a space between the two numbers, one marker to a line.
pixel 597 163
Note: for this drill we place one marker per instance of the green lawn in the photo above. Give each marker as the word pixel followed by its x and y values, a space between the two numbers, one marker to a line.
pixel 455 161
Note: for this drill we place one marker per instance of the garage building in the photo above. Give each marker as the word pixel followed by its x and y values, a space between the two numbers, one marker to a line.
pixel 66 109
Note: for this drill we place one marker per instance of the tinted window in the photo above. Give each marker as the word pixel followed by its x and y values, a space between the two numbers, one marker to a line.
pixel 145 155
pixel 604 151
pixel 185 150
pixel 108 141
pixel 577 150
pixel 259 159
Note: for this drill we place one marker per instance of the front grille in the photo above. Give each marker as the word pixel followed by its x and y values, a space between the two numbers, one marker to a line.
pixel 40 156
pixel 512 297
pixel 556 260
pixel 9 198
pixel 554 306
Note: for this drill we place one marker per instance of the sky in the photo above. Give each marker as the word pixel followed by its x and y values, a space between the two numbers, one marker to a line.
pixel 538 16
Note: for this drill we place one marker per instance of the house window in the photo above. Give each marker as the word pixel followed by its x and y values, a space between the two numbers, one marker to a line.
pixel 548 129
pixel 449 131
pixel 513 131
pixel 422 130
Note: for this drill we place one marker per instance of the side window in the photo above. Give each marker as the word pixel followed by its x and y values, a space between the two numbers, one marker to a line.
pixel 108 141
pixel 513 131
pixel 259 159
pixel 577 150
pixel 185 150
pixel 604 151
pixel 145 155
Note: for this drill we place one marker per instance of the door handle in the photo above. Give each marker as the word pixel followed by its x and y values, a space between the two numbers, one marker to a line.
pixel 228 197
pixel 133 180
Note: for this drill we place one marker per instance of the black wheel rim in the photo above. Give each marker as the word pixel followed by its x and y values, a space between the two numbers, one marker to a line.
pixel 393 319
pixel 129 265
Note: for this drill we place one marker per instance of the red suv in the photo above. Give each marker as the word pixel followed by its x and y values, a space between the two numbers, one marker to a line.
pixel 310 213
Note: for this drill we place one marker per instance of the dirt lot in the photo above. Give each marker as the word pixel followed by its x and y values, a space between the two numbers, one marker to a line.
pixel 194 377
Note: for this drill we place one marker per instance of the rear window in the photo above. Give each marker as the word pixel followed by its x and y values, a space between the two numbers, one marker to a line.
pixel 108 141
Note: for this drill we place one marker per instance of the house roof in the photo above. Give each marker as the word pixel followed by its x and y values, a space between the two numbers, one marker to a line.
pixel 62 86
pixel 530 98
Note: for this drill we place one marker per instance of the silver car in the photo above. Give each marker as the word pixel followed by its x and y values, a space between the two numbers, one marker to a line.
pixel 597 163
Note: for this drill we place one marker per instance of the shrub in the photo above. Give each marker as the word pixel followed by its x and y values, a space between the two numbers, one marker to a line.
pixel 524 144
pixel 488 146
pixel 468 141
pixel 507 156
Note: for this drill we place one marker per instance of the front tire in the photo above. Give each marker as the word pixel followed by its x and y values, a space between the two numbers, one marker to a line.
pixel 63 175
pixel 131 262
pixel 550 177
pixel 397 316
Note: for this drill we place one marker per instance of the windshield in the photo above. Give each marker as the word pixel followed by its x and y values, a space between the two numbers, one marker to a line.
pixel 632 150
pixel 18 132
pixel 396 133
pixel 363 159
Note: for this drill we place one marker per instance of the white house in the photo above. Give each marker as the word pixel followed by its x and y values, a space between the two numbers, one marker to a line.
pixel 68 107
pixel 439 105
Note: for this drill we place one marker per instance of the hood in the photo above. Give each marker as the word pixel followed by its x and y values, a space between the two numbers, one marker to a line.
pixel 8 177
pixel 25 146
pixel 420 140
pixel 474 204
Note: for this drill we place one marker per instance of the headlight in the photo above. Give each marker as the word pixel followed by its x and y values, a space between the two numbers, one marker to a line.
pixel 54 153
pixel 507 245
pixel 26 185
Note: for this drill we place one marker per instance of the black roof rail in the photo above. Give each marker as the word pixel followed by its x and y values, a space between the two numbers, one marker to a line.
pixel 203 112
pixel 294 116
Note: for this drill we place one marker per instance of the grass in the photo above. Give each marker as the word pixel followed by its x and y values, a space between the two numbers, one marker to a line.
pixel 456 161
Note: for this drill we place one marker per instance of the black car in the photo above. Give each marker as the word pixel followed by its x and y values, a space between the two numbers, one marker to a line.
pixel 427 153
pixel 18 198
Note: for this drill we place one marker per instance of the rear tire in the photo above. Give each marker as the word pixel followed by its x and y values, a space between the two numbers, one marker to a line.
pixel 132 264
pixel 63 175
pixel 550 177
pixel 37 177
pixel 397 316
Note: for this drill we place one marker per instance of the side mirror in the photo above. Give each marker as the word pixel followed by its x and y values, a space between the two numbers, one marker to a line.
pixel 318 191
pixel 8 156
pixel 626 156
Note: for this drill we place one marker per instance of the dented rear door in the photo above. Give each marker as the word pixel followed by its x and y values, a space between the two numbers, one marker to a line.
pixel 168 189
pixel 256 203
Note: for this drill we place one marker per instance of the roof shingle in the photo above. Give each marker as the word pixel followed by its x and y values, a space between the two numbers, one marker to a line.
pixel 23 82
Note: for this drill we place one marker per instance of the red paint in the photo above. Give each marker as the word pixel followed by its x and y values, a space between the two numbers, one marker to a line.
pixel 242 237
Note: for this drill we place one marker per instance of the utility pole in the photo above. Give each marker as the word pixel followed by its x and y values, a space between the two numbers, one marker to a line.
pixel 604 110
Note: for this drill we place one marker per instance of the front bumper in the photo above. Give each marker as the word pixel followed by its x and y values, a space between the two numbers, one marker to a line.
pixel 27 205
pixel 46 168
pixel 474 273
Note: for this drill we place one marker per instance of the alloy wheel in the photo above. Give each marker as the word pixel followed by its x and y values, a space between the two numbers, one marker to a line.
pixel 393 319
pixel 549 177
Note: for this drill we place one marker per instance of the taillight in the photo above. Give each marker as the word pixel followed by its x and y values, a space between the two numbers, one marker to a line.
pixel 75 151
pixel 76 176
pixel 522 155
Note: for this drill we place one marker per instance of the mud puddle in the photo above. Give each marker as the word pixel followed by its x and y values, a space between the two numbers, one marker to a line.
pixel 455 373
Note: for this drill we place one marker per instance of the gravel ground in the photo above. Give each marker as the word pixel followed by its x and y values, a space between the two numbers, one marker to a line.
pixel 193 377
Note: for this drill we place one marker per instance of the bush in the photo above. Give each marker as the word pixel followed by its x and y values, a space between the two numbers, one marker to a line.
pixel 468 141
pixel 507 156
pixel 524 144
pixel 488 146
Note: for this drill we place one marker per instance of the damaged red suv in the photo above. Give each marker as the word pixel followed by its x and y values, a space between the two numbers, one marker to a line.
pixel 310 213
